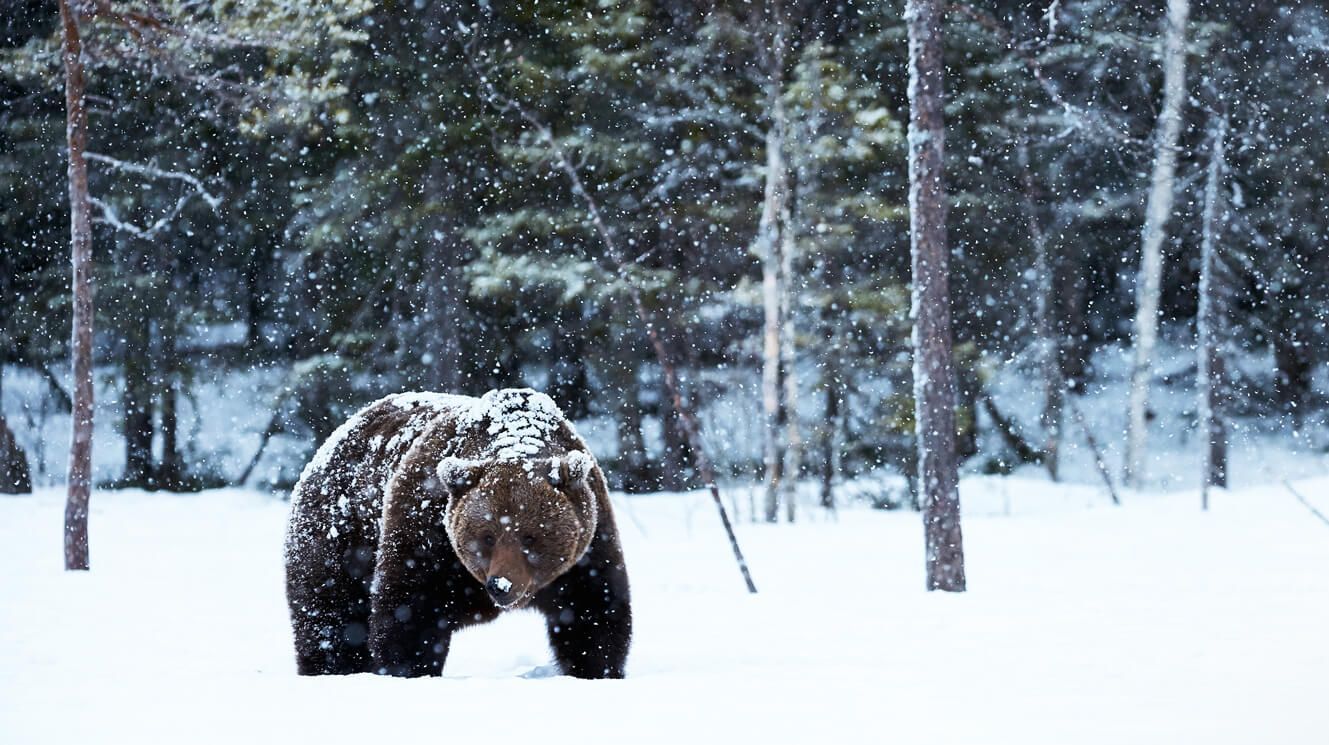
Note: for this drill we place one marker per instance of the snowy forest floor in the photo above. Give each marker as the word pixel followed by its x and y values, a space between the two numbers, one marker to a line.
pixel 1084 623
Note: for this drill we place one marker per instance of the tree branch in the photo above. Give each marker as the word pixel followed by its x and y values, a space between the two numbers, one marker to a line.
pixel 154 172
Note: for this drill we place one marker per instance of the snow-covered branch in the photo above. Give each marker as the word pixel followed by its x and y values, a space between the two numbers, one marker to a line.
pixel 148 170
pixel 112 218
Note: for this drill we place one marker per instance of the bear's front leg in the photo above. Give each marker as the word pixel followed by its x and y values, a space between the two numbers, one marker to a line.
pixel 588 615
pixel 407 641
pixel 409 628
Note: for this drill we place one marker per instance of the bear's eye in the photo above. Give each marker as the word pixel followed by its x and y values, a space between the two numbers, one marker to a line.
pixel 528 541
pixel 488 541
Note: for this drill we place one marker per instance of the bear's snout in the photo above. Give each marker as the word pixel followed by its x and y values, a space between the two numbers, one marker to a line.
pixel 508 580
pixel 500 589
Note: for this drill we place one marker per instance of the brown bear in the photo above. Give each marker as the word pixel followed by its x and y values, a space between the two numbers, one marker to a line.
pixel 428 512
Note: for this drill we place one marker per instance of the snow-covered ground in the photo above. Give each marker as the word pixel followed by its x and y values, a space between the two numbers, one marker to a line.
pixel 1148 623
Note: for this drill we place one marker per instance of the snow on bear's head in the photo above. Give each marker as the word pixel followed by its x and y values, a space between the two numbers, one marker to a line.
pixel 517 525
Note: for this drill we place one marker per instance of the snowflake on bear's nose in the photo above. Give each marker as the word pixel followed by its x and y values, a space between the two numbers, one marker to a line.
pixel 520 422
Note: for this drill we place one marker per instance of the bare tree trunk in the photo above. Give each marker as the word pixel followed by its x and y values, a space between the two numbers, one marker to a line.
pixel 1157 212
pixel 934 374
pixel 792 468
pixel 770 242
pixel 80 449
pixel 1209 322
pixel 1049 352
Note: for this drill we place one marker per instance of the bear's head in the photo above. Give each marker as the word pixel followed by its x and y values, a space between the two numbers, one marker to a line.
pixel 518 524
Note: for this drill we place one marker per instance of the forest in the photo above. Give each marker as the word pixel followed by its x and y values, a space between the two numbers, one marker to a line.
pixel 352 200
pixel 726 239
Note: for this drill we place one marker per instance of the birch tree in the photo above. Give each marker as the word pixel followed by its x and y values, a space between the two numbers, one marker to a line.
pixel 934 375
pixel 771 242
pixel 1158 210
pixel 774 246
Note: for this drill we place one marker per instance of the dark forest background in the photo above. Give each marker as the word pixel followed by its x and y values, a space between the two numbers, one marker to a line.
pixel 372 209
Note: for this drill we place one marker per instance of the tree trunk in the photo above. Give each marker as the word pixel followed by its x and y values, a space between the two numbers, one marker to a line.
pixel 169 472
pixel 773 371
pixel 934 375
pixel 15 478
pixel 831 414
pixel 1209 323
pixel 676 456
pixel 1157 212
pixel 138 427
pixel 791 470
pixel 1049 352
pixel 80 449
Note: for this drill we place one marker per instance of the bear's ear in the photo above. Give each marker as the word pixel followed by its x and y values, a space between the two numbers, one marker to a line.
pixel 570 470
pixel 459 474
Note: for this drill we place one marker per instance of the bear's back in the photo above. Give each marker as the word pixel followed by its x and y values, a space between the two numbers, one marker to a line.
pixel 340 491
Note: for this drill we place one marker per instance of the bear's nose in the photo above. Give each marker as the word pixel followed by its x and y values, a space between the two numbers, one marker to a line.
pixel 500 589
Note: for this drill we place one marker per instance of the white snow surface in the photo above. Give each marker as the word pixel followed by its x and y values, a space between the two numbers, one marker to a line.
pixel 1084 623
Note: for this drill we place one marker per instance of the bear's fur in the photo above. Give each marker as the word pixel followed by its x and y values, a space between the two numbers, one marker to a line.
pixel 425 513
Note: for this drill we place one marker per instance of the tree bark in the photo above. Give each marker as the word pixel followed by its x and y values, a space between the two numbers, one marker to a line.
pixel 80 449
pixel 1157 212
pixel 770 238
pixel 1209 328
pixel 792 468
pixel 934 374
pixel 138 425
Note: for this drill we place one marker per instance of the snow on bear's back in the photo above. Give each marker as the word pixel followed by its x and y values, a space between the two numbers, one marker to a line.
pixel 421 409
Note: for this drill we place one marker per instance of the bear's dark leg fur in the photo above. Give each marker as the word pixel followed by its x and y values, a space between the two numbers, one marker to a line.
pixel 330 611
pixel 421 601
pixel 587 613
